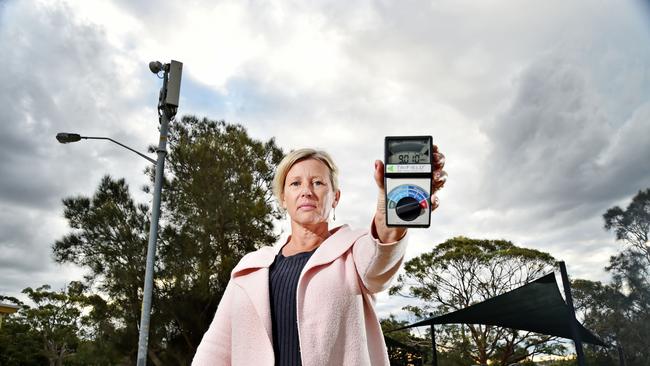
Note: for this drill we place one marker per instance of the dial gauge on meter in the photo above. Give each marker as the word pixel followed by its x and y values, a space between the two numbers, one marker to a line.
pixel 409 201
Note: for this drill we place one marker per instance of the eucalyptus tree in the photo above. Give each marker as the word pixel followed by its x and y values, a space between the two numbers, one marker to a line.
pixel 619 311
pixel 632 225
pixel 461 272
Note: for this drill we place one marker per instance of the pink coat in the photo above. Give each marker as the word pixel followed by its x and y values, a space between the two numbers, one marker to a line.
pixel 337 323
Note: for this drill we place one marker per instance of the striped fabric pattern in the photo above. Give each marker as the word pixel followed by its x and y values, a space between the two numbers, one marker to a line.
pixel 283 283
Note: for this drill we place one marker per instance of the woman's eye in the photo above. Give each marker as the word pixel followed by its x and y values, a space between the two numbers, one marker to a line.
pixel 318 183
pixel 294 184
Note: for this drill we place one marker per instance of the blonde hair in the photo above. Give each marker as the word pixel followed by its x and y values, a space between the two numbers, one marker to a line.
pixel 297 156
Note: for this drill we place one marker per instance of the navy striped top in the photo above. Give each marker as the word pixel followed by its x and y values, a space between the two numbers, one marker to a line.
pixel 283 284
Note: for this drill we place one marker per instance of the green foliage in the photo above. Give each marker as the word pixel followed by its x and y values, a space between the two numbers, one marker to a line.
pixel 217 205
pixel 56 319
pixel 607 311
pixel 109 238
pixel 48 333
pixel 19 343
pixel 217 202
pixel 461 272
pixel 619 312
pixel 632 224
pixel 403 347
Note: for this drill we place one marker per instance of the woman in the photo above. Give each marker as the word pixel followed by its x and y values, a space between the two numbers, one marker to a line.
pixel 310 300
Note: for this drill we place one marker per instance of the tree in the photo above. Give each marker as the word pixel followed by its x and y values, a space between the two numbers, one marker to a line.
pixel 461 272
pixel 56 320
pixel 630 268
pixel 632 225
pixel 216 206
pixel 100 343
pixel 58 330
pixel 403 347
pixel 619 312
pixel 613 313
pixel 601 306
pixel 630 287
pixel 47 333
pixel 109 238
pixel 19 342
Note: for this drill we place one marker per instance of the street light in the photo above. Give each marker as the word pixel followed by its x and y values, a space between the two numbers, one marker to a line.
pixel 167 107
pixel 66 138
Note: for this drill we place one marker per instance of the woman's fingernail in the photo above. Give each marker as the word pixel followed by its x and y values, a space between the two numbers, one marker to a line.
pixel 435 203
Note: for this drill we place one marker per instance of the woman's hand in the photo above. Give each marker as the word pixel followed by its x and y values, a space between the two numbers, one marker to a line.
pixel 387 234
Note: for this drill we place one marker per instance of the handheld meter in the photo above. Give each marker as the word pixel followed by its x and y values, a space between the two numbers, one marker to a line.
pixel 408 165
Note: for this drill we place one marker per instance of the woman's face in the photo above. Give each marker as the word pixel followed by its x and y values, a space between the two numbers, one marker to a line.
pixel 308 195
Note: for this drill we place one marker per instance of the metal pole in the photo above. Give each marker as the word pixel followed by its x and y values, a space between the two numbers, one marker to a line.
pixel 143 339
pixel 573 323
pixel 434 354
pixel 151 248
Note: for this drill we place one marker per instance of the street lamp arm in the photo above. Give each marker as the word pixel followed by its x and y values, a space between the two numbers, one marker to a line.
pixel 124 146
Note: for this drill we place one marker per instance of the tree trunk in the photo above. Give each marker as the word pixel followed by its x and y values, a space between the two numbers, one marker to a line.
pixel 154 358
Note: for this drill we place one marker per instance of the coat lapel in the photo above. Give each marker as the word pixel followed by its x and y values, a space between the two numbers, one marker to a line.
pixel 333 247
pixel 252 272
pixel 252 275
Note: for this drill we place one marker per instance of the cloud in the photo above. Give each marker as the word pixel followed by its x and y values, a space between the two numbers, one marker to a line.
pixel 25 255
pixel 553 150
pixel 540 107
pixel 558 158
pixel 548 143
pixel 629 153
pixel 59 75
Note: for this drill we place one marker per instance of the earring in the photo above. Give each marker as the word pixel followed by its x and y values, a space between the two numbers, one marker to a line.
pixel 334 217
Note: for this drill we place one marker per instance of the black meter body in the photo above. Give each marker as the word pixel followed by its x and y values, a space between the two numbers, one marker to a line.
pixel 408 164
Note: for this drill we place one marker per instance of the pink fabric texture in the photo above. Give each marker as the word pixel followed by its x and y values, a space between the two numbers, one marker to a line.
pixel 337 323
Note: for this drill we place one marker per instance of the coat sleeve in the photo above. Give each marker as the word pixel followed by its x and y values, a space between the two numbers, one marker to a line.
pixel 376 262
pixel 215 347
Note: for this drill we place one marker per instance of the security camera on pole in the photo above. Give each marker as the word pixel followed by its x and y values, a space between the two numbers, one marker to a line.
pixel 167 107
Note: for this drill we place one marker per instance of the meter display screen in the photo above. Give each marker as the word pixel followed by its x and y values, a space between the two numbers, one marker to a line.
pixel 409 152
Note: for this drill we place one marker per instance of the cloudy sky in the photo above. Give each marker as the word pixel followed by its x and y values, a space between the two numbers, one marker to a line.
pixel 541 107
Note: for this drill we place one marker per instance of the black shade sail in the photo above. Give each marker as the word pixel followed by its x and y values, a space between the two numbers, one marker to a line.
pixel 536 306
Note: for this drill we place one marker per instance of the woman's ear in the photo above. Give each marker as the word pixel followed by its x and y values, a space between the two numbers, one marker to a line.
pixel 337 197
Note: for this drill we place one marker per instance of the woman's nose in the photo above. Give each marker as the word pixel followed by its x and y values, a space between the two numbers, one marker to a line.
pixel 306 190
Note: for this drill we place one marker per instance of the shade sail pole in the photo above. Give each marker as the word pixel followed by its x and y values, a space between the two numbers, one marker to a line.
pixel 434 354
pixel 573 323
pixel 621 355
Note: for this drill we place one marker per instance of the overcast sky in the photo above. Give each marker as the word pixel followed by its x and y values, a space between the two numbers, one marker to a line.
pixel 541 107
